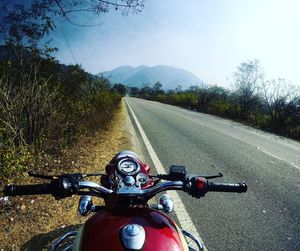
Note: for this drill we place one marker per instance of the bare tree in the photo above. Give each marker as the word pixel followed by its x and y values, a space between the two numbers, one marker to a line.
pixel 281 99
pixel 27 105
pixel 209 95
pixel 157 88
pixel 95 8
pixel 247 81
pixel 178 89
pixel 27 24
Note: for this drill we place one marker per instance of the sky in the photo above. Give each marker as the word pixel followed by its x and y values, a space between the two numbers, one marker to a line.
pixel 210 38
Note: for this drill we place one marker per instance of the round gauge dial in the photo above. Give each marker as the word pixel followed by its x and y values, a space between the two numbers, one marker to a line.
pixel 142 178
pixel 128 167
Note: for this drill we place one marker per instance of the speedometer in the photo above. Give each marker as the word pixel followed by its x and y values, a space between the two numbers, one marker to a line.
pixel 128 167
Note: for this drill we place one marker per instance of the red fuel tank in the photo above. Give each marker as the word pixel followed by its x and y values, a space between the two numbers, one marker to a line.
pixel 101 232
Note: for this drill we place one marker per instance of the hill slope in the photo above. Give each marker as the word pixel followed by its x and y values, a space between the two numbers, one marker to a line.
pixel 143 75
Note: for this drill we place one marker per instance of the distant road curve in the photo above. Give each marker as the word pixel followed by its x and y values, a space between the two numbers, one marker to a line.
pixel 267 216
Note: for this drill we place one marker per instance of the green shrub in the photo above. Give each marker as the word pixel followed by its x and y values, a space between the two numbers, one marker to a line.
pixel 15 159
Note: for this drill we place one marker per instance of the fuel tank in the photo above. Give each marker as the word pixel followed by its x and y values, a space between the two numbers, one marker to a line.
pixel 104 231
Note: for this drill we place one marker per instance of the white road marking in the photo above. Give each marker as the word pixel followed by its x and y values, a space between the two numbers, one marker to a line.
pixel 179 208
pixel 276 157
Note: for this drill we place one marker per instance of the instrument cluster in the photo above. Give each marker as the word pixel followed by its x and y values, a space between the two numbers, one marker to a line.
pixel 129 174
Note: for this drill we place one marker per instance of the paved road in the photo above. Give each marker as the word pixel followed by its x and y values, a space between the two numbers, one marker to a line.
pixel 267 217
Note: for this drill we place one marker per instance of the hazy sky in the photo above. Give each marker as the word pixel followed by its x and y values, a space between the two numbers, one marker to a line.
pixel 207 37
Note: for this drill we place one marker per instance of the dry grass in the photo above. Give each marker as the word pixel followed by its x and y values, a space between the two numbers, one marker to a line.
pixel 27 223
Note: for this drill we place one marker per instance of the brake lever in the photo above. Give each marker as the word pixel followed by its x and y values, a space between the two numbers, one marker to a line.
pixel 213 176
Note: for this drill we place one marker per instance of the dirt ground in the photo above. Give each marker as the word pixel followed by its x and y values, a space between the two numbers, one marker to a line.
pixel 32 222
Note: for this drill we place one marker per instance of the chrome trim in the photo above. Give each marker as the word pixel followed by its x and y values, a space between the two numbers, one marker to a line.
pixel 169 185
pixel 137 165
pixel 85 205
pixel 94 186
pixel 124 190
pixel 133 236
pixel 167 203
pixel 59 241
pixel 196 240
pixel 156 206
pixel 125 154
pixel 133 190
pixel 137 191
pixel 142 176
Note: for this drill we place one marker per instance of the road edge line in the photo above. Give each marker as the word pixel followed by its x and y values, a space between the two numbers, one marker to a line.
pixel 179 209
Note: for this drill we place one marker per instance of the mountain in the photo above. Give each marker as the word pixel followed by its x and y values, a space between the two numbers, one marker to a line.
pixel 143 75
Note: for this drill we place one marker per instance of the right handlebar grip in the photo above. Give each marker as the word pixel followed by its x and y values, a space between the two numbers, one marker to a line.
pixel 227 187
pixel 14 190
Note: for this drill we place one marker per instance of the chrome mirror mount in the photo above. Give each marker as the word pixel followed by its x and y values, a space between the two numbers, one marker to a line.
pixel 85 205
pixel 167 203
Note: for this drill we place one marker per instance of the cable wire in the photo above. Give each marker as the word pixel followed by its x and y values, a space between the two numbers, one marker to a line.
pixel 68 44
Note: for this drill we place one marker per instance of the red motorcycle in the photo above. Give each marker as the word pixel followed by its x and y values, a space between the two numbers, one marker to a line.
pixel 126 222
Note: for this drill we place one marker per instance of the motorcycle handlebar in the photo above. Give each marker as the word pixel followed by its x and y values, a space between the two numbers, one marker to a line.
pixel 197 186
pixel 227 187
pixel 14 190
pixel 60 188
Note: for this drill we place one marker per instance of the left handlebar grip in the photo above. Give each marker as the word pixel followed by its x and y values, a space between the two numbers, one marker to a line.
pixel 14 190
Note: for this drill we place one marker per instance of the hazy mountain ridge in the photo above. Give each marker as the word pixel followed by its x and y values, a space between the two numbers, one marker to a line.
pixel 143 75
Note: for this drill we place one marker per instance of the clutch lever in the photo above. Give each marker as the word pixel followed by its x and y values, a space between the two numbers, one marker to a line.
pixel 41 176
pixel 74 176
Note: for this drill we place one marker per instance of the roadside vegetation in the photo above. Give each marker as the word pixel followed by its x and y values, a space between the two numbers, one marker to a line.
pixel 46 106
pixel 54 118
pixel 271 105
pixel 33 222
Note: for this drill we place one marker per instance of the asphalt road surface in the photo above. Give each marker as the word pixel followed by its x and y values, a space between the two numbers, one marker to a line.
pixel 267 217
